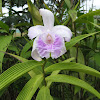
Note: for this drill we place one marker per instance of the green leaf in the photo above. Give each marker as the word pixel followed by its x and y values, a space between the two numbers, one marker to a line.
pixel 55 98
pixel 76 89
pixel 77 39
pixel 26 48
pixel 4 26
pixel 80 56
pixel 16 71
pixel 77 53
pixel 0 8
pixel 44 94
pixel 27 54
pixel 68 60
pixel 4 42
pixel 23 24
pixel 68 19
pixel 73 67
pixel 74 81
pixel 68 3
pixel 53 73
pixel 76 6
pixel 46 6
pixel 90 97
pixel 2 91
pixel 94 45
pixel 30 88
pixel 37 19
pixel 73 14
pixel 92 13
pixel 97 58
pixel 13 48
pixel 57 71
pixel 21 59
pixel 86 21
pixel 3 31
pixel 17 57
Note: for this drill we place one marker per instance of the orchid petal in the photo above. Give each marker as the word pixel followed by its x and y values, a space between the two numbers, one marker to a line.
pixel 34 31
pixel 48 18
pixel 59 52
pixel 34 53
pixel 63 50
pixel 62 31
pixel 42 48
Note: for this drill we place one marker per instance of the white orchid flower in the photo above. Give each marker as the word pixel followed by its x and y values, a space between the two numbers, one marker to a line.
pixel 49 39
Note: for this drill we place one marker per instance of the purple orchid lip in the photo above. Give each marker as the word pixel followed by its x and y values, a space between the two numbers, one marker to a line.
pixel 54 48
pixel 49 39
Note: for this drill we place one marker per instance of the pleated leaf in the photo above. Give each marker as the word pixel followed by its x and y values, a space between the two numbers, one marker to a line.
pixel 77 39
pixel 25 49
pixel 44 94
pixel 0 8
pixel 57 71
pixel 30 88
pixel 16 71
pixel 4 43
pixel 74 81
pixel 36 18
pixel 17 57
pixel 73 14
pixel 89 22
pixel 32 72
pixel 68 3
pixel 97 12
pixel 73 67
pixel 4 26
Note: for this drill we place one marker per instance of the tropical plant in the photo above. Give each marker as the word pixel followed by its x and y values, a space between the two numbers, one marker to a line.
pixel 72 76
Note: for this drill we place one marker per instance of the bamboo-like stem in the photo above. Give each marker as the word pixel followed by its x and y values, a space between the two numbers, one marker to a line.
pixel 44 72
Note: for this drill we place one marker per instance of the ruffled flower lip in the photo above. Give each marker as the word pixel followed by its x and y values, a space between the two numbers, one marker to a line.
pixel 49 39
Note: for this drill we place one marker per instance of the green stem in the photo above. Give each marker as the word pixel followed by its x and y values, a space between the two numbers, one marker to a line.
pixel 15 45
pixel 44 72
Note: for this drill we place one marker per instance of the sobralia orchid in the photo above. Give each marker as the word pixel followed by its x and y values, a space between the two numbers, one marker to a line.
pixel 49 39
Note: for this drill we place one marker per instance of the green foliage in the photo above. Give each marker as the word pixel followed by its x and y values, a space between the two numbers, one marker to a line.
pixel 0 8
pixel 4 26
pixel 16 72
pixel 68 3
pixel 44 94
pixel 73 67
pixel 74 81
pixel 57 71
pixel 79 55
pixel 3 47
pixel 97 58
pixel 73 14
pixel 77 39
pixel 23 24
pixel 2 91
pixel 25 53
pixel 97 12
pixel 37 19
pixel 30 88
pixel 17 57
pixel 78 67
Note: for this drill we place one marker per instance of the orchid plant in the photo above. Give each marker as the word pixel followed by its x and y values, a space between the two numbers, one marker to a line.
pixel 50 43
pixel 50 39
